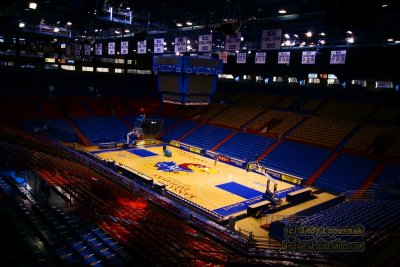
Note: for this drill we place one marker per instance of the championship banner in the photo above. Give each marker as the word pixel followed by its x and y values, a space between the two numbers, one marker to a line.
pixel 232 42
pixel 260 58
pixel 241 58
pixel 68 50
pixel 283 57
pixel 180 44
pixel 78 50
pixel 308 57
pixel 271 39
pixel 111 48
pixel 99 49
pixel 205 43
pixel 338 57
pixel 87 50
pixel 224 57
pixel 159 46
pixel 142 47
pixel 124 47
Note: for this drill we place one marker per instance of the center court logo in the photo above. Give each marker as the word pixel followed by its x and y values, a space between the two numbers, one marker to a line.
pixel 184 168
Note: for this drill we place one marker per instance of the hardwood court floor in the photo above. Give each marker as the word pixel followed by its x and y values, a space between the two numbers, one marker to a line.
pixel 198 186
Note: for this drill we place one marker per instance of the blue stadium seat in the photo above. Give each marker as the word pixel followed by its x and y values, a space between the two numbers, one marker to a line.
pixel 246 146
pixel 179 131
pixel 347 172
pixel 297 159
pixel 102 129
pixel 207 136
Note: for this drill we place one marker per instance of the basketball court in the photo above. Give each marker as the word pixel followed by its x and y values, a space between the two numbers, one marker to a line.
pixel 216 186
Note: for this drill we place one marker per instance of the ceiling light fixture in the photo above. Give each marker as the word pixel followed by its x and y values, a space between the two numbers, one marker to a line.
pixel 189 23
pixel 309 34
pixel 178 24
pixel 32 5
pixel 56 29
pixel 21 25
pixel 282 11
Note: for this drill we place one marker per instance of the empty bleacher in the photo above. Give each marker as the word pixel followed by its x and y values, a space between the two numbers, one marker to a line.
pixel 373 138
pixel 296 159
pixel 246 146
pixel 346 110
pixel 347 172
pixel 274 122
pixel 235 116
pixel 207 136
pixel 179 130
pixel 102 129
pixel 322 131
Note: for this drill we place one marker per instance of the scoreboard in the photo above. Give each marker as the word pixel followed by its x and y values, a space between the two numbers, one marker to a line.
pixel 187 80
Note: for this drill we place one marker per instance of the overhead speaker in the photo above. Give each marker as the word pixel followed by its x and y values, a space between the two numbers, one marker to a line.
pixel 140 35
pixel 230 27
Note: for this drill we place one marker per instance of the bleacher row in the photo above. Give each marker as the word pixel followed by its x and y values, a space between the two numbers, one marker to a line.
pixel 72 241
pixel 153 234
pixel 93 109
pixel 376 217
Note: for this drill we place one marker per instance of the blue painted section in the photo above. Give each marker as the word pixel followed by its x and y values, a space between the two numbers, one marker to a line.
pixel 142 153
pixel 240 190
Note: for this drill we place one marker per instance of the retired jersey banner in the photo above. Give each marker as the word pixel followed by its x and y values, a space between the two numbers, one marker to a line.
pixel 180 44
pixel 78 49
pixel 338 57
pixel 224 57
pixel 260 58
pixel 205 43
pixel 241 58
pixel 142 47
pixel 308 57
pixel 232 42
pixel 124 47
pixel 87 50
pixel 159 46
pixel 271 39
pixel 111 48
pixel 99 49
pixel 283 57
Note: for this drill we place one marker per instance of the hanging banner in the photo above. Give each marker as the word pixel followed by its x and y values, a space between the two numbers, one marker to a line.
pixel 78 49
pixel 142 47
pixel 338 57
pixel 205 43
pixel 180 44
pixel 232 42
pixel 308 57
pixel 111 48
pixel 68 50
pixel 224 57
pixel 99 49
pixel 241 58
pixel 86 52
pixel 283 57
pixel 124 47
pixel 159 46
pixel 260 58
pixel 271 39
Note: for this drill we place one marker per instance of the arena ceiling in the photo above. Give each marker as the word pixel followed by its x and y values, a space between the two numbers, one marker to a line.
pixel 372 22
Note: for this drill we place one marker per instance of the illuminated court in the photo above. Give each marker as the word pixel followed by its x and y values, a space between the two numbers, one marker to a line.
pixel 216 186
